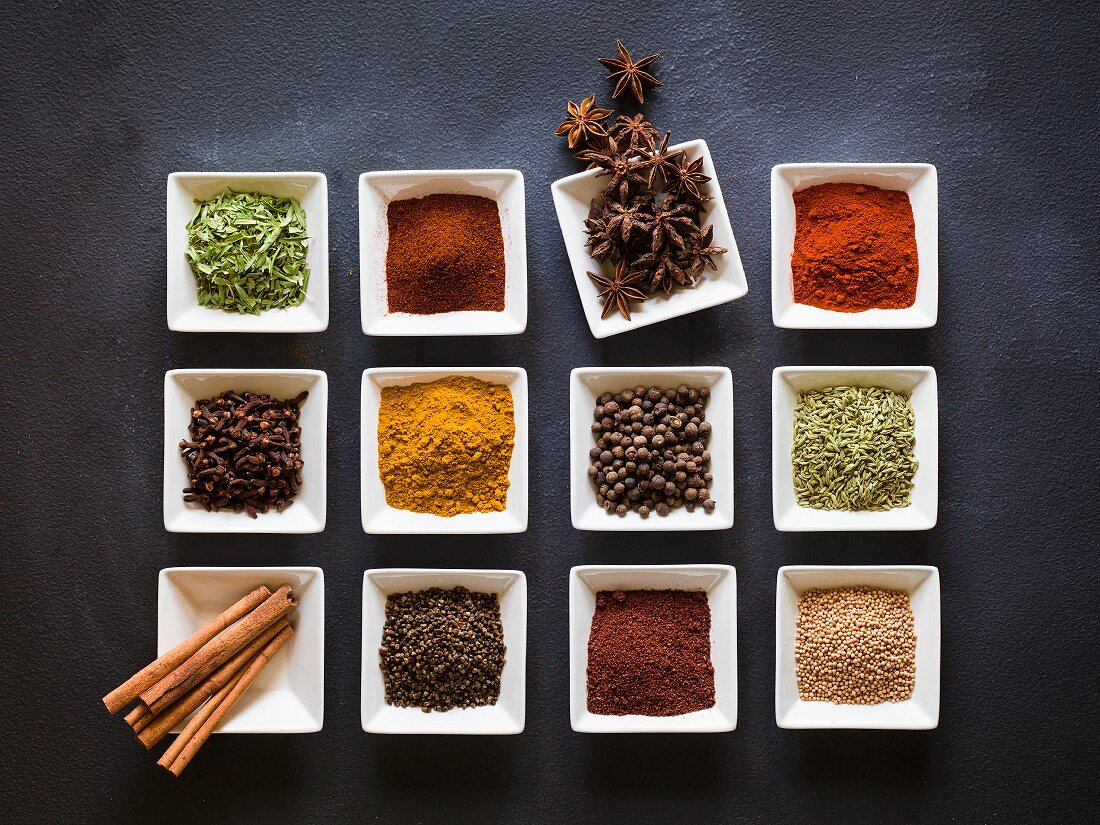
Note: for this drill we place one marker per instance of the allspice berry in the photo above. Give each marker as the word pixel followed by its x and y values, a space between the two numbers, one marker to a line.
pixel 650 452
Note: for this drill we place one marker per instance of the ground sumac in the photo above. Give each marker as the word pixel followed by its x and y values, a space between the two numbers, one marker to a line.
pixel 445 254
pixel 649 653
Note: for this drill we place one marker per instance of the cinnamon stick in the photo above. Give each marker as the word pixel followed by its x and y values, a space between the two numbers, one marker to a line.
pixel 178 757
pixel 218 650
pixel 191 728
pixel 157 727
pixel 138 718
pixel 155 671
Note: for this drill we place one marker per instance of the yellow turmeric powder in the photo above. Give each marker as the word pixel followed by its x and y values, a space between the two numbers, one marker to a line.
pixel 445 447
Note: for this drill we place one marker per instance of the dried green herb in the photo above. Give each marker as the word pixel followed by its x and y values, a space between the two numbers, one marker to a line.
pixel 248 252
pixel 853 449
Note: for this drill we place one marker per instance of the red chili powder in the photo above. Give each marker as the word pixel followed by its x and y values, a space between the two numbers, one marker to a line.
pixel 445 254
pixel 649 653
pixel 855 248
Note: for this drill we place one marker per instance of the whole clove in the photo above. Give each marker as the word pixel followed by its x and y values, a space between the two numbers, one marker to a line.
pixel 244 453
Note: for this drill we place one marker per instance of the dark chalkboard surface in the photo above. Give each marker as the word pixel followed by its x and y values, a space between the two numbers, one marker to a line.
pixel 101 101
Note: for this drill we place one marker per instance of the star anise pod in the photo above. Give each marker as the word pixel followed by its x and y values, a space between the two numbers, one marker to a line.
pixel 619 290
pixel 602 156
pixel 657 158
pixel 701 252
pixel 583 122
pixel 635 132
pixel 631 74
pixel 625 169
pixel 600 241
pixel 664 271
pixel 685 177
pixel 669 224
pixel 623 217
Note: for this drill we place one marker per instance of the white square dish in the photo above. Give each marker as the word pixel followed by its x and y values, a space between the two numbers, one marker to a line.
pixel 922 711
pixel 184 312
pixel 378 189
pixel 507 715
pixel 918 180
pixel 586 384
pixel 289 694
pixel 379 517
pixel 920 383
pixel 182 388
pixel 719 581
pixel 573 196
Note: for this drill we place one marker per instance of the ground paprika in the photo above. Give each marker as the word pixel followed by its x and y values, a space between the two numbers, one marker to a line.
pixel 855 248
pixel 445 254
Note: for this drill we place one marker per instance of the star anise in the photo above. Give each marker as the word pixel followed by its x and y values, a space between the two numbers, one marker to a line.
pixel 669 224
pixel 623 217
pixel 686 176
pixel 701 253
pixel 664 271
pixel 635 132
pixel 619 290
pixel 631 74
pixel 583 121
pixel 600 242
pixel 657 159
pixel 602 156
pixel 625 169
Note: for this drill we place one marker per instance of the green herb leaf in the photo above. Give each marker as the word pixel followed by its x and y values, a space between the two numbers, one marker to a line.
pixel 248 252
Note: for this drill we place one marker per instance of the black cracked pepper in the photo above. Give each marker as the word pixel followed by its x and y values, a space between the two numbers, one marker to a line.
pixel 442 649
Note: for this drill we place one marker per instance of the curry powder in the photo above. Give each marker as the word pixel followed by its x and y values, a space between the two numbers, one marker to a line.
pixel 445 447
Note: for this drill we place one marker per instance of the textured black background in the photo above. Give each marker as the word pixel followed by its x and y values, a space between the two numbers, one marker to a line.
pixel 100 101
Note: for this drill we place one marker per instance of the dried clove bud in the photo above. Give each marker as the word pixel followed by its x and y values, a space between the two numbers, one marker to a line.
pixel 262 467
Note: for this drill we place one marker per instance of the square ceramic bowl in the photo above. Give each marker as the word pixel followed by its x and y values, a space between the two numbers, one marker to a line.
pixel 920 384
pixel 507 715
pixel 182 388
pixel 379 517
pixel 573 198
pixel 922 711
pixel 919 180
pixel 184 312
pixel 289 694
pixel 586 384
pixel 377 189
pixel 719 581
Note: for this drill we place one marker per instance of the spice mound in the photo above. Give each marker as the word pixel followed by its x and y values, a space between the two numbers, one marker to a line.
pixel 244 452
pixel 445 254
pixel 853 449
pixel 651 451
pixel 855 646
pixel 445 447
pixel 442 649
pixel 248 252
pixel 649 653
pixel 201 678
pixel 855 248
